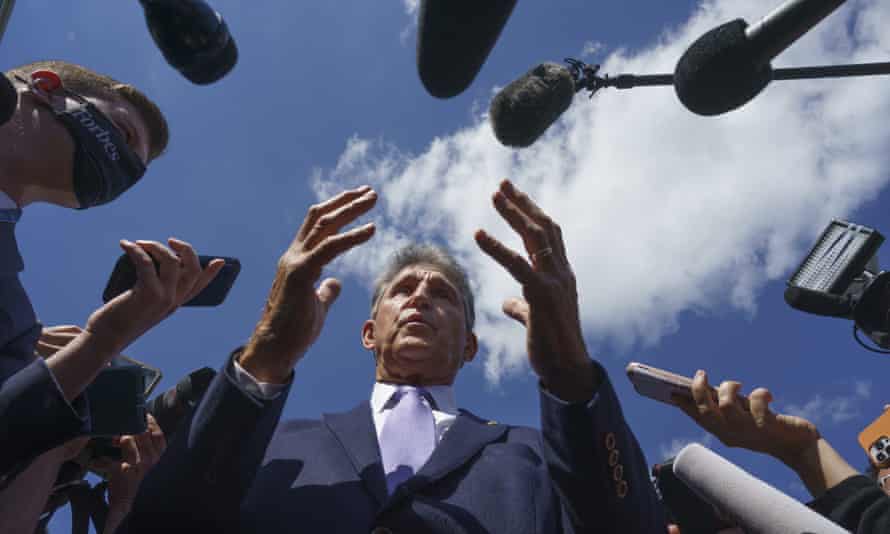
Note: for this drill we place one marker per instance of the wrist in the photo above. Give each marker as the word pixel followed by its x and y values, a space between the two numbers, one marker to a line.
pixel 800 459
pixel 260 362
pixel 577 383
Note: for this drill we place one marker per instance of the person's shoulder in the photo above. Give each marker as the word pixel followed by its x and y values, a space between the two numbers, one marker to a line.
pixel 516 433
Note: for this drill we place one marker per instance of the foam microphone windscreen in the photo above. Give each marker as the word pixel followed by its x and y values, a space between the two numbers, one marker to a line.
pixel 752 504
pixel 9 99
pixel 193 38
pixel 817 302
pixel 521 112
pixel 718 73
pixel 454 38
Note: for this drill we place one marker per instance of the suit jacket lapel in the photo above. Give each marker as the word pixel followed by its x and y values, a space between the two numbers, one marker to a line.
pixel 355 432
pixel 466 437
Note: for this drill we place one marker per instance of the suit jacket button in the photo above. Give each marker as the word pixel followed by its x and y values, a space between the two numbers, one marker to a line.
pixel 613 458
pixel 381 530
pixel 618 473
pixel 610 441
pixel 621 489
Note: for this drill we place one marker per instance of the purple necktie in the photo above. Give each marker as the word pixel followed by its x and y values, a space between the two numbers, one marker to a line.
pixel 408 436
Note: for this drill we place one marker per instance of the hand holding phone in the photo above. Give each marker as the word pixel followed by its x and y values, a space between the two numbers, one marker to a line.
pixel 658 384
pixel 124 277
pixel 875 440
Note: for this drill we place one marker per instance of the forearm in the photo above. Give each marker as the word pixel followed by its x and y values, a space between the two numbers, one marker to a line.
pixel 269 354
pixel 593 456
pixel 820 467
pixel 76 365
pixel 22 502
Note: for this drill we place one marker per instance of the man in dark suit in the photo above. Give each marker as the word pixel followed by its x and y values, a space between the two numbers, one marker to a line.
pixel 408 460
pixel 77 139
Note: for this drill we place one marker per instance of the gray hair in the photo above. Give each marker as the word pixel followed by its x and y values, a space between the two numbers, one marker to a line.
pixel 427 254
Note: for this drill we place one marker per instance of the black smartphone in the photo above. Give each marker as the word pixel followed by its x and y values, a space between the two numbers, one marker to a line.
pixel 124 276
pixel 117 401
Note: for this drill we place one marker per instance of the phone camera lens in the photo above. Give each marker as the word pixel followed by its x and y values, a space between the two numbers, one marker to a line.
pixel 881 456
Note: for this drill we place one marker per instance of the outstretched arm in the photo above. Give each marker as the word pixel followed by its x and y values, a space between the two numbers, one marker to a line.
pixel 210 464
pixel 593 457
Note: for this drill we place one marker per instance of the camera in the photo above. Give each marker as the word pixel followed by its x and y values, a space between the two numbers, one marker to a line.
pixel 880 452
pixel 840 278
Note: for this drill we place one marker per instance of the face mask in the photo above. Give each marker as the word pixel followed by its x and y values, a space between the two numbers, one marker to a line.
pixel 104 165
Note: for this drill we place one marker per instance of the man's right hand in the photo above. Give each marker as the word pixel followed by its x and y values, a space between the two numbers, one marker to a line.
pixel 295 310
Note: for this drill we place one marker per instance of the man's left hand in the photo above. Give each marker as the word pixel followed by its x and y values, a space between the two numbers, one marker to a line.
pixel 549 309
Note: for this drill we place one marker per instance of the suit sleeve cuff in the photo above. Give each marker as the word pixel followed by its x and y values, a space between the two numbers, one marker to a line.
pixel 247 382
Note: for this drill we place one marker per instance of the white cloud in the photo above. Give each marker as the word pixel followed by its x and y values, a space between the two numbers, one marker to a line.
pixel 411 7
pixel 836 409
pixel 591 48
pixel 672 449
pixel 663 211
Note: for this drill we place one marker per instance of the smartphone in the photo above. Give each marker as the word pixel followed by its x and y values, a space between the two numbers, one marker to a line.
pixel 658 384
pixel 875 440
pixel 124 276
pixel 117 401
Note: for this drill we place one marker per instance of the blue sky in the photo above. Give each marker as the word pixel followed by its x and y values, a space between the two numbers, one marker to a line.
pixel 682 229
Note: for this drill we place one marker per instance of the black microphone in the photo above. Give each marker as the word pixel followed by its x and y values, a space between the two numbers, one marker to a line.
pixel 169 408
pixel 454 40
pixel 729 65
pixel 9 99
pixel 818 303
pixel 193 38
pixel 523 110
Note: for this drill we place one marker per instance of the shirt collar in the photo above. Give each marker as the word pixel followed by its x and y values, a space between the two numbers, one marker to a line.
pixel 7 203
pixel 443 396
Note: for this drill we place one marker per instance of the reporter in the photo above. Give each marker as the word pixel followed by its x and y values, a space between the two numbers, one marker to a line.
pixel 78 139
pixel 843 495
pixel 25 499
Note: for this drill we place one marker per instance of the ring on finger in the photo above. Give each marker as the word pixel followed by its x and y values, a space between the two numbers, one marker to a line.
pixel 544 252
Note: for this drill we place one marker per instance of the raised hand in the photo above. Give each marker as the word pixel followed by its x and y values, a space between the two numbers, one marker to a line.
pixel 296 309
pixel 157 293
pixel 75 357
pixel 549 309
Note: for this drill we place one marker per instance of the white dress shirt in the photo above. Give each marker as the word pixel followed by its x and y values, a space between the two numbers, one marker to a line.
pixel 444 410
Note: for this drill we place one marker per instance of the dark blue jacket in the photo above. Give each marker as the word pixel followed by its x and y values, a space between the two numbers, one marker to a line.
pixel 34 415
pixel 232 470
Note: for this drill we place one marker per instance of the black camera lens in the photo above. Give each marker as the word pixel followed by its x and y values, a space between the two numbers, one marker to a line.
pixel 881 456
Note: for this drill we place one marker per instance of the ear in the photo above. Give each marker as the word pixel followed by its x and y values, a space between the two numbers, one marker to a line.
pixel 471 347
pixel 369 341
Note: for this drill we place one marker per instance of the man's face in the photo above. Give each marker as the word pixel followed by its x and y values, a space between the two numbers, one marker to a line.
pixel 419 333
pixel 40 151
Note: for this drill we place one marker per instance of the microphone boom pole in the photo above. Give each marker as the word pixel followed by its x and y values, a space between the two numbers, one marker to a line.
pixel 592 82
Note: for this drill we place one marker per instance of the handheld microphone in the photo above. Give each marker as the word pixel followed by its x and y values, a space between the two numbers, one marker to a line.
pixel 752 504
pixel 454 40
pixel 9 99
pixel 193 38
pixel 728 66
pixel 170 407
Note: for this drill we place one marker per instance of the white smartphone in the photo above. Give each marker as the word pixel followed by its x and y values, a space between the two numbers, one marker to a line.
pixel 657 383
